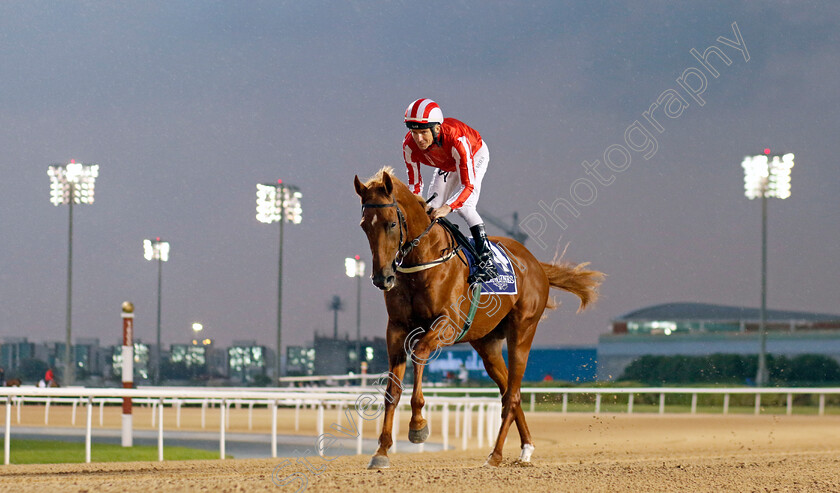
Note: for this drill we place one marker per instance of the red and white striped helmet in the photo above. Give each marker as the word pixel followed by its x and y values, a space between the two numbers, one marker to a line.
pixel 423 113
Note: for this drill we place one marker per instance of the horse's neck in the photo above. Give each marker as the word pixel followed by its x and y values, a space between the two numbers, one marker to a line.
pixel 415 216
pixel 431 246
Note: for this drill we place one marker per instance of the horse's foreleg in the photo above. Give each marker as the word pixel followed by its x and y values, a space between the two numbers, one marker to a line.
pixel 393 392
pixel 418 428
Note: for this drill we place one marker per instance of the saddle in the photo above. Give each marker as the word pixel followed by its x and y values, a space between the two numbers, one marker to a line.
pixel 505 283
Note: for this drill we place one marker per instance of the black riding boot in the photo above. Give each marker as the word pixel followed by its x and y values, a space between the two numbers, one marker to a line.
pixel 485 270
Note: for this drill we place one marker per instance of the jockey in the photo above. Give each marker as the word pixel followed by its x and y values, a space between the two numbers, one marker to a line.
pixel 461 158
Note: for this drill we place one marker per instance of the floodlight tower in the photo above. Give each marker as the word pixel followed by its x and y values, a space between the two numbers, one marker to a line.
pixel 355 267
pixel 157 250
pixel 765 175
pixel 279 202
pixel 71 183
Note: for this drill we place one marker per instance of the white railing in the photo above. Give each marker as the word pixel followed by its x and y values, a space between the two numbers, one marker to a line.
pixel 532 392
pixel 488 411
pixel 661 391
pixel 598 392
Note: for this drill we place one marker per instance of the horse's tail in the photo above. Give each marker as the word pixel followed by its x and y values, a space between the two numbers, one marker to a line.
pixel 574 278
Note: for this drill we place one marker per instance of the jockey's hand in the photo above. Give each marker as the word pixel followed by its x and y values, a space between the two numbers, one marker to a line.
pixel 441 211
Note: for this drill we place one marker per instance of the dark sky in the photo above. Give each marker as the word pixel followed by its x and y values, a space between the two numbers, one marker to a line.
pixel 186 106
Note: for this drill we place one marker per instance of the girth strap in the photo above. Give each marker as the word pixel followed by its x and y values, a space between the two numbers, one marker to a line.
pixel 476 293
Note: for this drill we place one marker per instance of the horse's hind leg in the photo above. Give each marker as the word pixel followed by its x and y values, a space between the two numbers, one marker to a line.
pixel 490 351
pixel 519 345
pixel 494 362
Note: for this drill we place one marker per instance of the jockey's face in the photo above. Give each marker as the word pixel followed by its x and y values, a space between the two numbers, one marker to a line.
pixel 424 137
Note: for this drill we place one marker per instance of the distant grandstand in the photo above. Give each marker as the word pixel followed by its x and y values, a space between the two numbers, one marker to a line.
pixel 702 329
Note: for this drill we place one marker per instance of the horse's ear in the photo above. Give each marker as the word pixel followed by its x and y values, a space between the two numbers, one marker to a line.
pixel 360 188
pixel 389 185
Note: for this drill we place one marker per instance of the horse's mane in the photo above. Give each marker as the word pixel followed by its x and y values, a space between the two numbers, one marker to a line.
pixel 376 180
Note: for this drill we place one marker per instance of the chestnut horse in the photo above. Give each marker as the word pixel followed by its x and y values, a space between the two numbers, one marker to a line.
pixel 426 293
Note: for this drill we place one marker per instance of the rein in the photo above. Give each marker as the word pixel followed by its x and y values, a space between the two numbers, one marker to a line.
pixel 407 246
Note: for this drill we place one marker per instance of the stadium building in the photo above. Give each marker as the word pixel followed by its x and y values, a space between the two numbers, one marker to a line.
pixel 698 329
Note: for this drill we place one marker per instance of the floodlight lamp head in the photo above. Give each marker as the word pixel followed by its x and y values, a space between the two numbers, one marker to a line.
pixel 276 202
pixel 156 250
pixel 354 267
pixel 72 181
pixel 767 175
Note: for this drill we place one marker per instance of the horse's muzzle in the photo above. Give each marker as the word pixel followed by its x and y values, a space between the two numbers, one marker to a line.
pixel 384 279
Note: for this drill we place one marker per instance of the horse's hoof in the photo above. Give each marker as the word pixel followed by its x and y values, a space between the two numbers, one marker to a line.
pixel 379 462
pixel 418 436
pixel 525 455
pixel 493 461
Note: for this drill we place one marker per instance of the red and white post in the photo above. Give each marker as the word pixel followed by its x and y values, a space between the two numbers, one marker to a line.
pixel 127 369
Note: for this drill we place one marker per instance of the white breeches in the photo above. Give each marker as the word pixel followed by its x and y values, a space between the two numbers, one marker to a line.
pixel 448 186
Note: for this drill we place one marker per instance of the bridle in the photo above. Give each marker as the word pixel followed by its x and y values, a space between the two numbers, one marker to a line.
pixel 406 247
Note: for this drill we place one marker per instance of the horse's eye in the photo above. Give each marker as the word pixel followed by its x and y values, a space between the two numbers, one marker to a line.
pixel 393 225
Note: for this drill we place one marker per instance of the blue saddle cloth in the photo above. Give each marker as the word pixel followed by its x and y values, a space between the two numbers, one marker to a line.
pixel 505 282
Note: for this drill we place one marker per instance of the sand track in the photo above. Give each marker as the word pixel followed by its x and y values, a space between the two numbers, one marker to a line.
pixel 575 452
